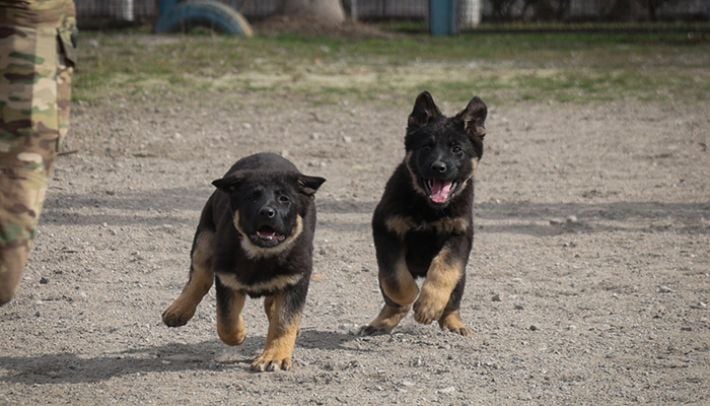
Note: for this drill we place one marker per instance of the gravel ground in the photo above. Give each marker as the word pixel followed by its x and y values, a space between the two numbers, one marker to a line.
pixel 589 282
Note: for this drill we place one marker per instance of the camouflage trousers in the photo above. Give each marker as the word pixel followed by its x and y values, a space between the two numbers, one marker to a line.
pixel 35 90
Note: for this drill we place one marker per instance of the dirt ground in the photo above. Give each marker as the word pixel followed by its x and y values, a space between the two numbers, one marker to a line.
pixel 589 282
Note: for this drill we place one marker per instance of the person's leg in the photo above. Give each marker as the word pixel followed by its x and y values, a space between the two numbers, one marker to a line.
pixel 34 112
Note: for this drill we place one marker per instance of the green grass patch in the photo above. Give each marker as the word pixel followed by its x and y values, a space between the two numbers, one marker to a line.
pixel 501 67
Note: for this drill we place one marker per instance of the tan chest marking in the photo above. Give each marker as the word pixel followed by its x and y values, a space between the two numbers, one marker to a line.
pixel 276 283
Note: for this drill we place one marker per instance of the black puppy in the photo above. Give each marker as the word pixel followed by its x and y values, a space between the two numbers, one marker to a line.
pixel 255 237
pixel 423 225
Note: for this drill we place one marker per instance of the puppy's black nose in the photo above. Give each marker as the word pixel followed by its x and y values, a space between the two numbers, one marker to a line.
pixel 438 166
pixel 267 212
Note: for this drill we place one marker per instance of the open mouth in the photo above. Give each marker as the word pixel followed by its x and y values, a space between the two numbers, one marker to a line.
pixel 440 191
pixel 268 236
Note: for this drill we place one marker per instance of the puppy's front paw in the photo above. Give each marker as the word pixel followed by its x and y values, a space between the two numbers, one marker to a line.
pixel 428 308
pixel 178 314
pixel 271 361
pixel 232 336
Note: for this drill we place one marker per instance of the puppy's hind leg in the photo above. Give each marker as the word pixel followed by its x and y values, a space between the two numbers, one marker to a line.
pixel 199 283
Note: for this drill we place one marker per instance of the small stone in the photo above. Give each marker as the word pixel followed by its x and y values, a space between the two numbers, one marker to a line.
pixel 315 136
pixel 533 327
pixel 363 269
pixel 448 389
pixel 686 328
pixel 495 298
pixel 354 364
pixel 246 125
pixel 284 153
pixel 37 314
pixel 43 280
pixel 518 307
pixel 571 219
pixel 347 139
pixel 407 383
pixel 664 289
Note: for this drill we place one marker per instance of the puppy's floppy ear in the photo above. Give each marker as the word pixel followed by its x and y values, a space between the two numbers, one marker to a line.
pixel 309 184
pixel 474 118
pixel 424 111
pixel 229 184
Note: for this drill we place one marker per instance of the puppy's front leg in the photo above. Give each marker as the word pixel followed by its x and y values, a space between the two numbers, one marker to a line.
pixel 283 310
pixel 445 273
pixel 230 322
pixel 198 284
pixel 396 282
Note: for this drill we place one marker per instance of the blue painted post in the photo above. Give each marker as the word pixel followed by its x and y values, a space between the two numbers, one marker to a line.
pixel 166 5
pixel 443 17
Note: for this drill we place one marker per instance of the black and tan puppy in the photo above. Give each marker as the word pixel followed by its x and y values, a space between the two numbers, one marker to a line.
pixel 255 238
pixel 423 225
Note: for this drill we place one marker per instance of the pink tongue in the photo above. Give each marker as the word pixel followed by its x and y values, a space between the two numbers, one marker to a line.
pixel 440 191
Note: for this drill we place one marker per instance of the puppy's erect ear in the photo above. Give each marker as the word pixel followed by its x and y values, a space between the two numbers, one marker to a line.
pixel 424 111
pixel 474 118
pixel 229 184
pixel 309 184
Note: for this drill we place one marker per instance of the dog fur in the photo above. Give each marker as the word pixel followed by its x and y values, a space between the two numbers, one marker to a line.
pixel 423 224
pixel 254 238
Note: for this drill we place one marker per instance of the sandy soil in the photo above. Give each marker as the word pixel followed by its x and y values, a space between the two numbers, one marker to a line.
pixel 589 282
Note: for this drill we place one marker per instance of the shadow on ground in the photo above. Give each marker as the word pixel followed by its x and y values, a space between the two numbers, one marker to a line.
pixel 206 355
pixel 158 207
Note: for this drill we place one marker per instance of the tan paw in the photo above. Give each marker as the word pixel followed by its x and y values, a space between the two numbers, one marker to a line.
pixel 232 337
pixel 452 322
pixel 462 330
pixel 427 310
pixel 178 314
pixel 270 362
pixel 372 330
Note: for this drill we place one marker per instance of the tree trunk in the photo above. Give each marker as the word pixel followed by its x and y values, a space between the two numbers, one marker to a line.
pixel 327 12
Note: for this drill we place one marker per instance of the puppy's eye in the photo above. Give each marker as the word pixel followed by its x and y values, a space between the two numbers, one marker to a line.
pixel 284 199
pixel 456 149
pixel 427 148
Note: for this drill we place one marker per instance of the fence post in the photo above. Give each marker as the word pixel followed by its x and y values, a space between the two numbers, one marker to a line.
pixel 443 17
